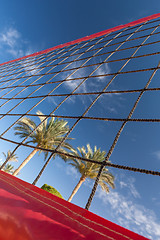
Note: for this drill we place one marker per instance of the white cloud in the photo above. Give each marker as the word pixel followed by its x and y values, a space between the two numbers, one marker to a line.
pixel 102 70
pixel 72 84
pixel 30 68
pixel 111 109
pixel 88 85
pixel 16 52
pixel 129 184
pixel 12 43
pixel 10 37
pixel 77 73
pixel 128 213
pixel 70 170
pixel 157 154
pixel 59 164
pixel 52 100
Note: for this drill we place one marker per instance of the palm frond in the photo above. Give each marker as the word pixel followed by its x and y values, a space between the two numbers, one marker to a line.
pixel 104 186
pixel 48 134
pixel 42 118
pixel 8 168
pixel 11 156
pixel 89 169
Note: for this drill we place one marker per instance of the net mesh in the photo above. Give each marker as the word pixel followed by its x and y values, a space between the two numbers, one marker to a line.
pixel 85 83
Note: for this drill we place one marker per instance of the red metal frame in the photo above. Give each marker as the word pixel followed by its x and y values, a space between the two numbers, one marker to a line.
pixel 141 20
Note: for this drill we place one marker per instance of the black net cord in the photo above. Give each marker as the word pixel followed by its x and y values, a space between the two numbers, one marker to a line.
pixel 34 107
pixel 119 133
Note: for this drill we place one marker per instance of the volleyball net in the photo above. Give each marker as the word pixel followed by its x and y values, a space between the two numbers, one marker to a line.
pixel 82 82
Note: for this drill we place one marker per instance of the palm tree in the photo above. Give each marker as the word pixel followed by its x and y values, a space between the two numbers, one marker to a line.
pixel 9 157
pixel 47 135
pixel 8 168
pixel 90 170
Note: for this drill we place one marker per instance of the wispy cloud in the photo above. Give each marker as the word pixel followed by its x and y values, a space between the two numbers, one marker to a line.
pixel 77 73
pixel 52 100
pixel 129 184
pixel 10 40
pixel 109 102
pixel 73 84
pixel 157 154
pixel 102 70
pixel 87 86
pixel 12 43
pixel 30 68
pixel 128 213
pixel 70 170
pixel 9 37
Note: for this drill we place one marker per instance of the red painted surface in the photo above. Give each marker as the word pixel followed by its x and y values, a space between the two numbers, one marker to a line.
pixel 30 213
pixel 154 16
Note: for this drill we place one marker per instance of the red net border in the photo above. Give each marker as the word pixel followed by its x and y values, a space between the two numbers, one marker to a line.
pixel 99 34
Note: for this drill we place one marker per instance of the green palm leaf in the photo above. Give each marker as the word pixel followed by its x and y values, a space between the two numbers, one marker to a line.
pixel 47 135
pixel 90 170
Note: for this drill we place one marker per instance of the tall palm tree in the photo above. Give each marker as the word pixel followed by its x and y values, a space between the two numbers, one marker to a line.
pixel 90 170
pixel 12 157
pixel 48 135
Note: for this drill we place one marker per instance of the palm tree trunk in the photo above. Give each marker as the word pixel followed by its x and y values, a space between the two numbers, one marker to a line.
pixel 82 179
pixel 42 170
pixel 5 162
pixel 25 161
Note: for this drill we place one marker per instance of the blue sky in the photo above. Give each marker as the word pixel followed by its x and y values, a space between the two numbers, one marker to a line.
pixel 36 25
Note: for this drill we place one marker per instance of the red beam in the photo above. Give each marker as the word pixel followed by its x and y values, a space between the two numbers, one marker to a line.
pixel 30 213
